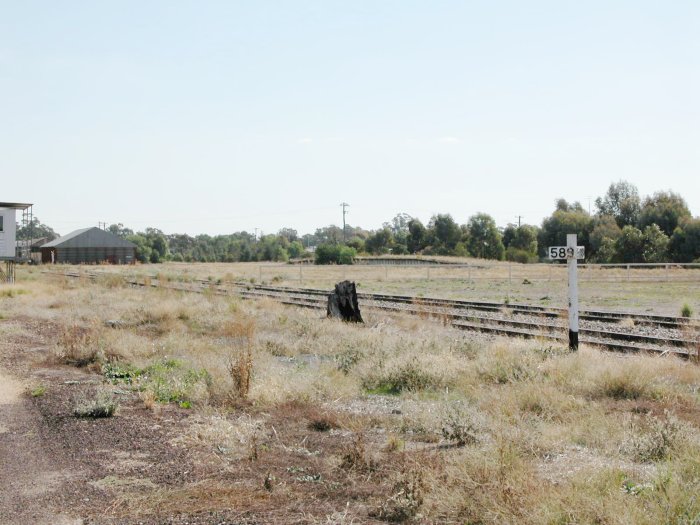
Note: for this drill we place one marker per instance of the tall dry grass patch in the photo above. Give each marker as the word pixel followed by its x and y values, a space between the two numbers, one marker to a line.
pixel 240 357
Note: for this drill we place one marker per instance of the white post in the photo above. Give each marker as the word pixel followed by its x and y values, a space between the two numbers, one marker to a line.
pixel 573 293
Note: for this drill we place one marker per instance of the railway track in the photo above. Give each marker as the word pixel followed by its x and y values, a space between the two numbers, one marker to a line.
pixel 618 331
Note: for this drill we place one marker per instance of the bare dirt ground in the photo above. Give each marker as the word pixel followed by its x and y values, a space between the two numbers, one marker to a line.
pixel 30 474
pixel 146 467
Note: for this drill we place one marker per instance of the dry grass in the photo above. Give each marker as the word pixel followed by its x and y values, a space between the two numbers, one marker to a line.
pixel 409 419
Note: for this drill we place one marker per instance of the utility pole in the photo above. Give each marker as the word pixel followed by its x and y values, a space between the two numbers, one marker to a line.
pixel 519 217
pixel 102 225
pixel 344 205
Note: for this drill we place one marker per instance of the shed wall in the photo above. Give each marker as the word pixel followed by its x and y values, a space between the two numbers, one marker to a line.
pixel 8 233
pixel 94 255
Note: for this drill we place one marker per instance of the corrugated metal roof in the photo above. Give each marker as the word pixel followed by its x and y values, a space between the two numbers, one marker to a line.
pixel 15 205
pixel 90 238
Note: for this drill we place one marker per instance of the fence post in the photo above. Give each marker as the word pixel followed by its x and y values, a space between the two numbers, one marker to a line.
pixel 386 272
pixel 510 273
pixel 301 277
pixel 469 274
pixel 428 273
pixel 260 273
pixel 628 273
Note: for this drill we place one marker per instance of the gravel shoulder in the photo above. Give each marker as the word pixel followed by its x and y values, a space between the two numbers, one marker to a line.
pixel 28 475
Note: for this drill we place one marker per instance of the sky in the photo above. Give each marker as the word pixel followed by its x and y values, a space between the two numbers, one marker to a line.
pixel 223 116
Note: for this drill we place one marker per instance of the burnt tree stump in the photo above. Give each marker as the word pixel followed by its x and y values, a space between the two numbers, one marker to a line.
pixel 342 303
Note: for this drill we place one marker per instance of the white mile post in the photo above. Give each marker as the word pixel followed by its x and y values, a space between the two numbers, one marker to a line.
pixel 571 262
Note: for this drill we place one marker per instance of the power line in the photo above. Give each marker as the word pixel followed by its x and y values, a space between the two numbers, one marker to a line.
pixel 344 205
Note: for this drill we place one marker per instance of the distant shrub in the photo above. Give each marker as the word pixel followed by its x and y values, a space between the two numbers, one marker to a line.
pixel 521 256
pixel 686 311
pixel 335 254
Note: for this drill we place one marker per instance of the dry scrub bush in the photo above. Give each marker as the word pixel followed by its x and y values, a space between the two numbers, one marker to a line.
pixel 356 456
pixel 508 362
pixel 654 439
pixel 79 346
pixel 410 366
pixel 463 424
pixel 240 359
pixel 597 375
pixel 482 484
pixel 95 405
pixel 278 382
pixel 229 437
pixel 406 496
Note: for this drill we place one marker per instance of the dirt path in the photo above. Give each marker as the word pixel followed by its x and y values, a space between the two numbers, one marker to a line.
pixel 27 475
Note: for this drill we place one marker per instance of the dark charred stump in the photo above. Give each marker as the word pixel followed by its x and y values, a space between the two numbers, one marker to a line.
pixel 342 303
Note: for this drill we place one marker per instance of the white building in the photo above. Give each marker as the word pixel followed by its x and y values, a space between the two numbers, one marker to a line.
pixel 8 236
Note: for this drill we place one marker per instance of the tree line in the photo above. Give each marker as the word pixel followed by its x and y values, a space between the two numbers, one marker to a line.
pixel 623 229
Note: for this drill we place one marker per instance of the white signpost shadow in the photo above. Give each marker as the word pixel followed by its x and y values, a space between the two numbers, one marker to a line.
pixel 571 253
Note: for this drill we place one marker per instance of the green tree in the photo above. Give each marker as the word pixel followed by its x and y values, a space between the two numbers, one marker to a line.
pixel 36 230
pixel 417 236
pixel 604 227
pixel 562 222
pixel 158 243
pixel 520 243
pixel 664 208
pixel 606 251
pixel 295 249
pixel 622 202
pixel 379 242
pixel 120 230
pixel 655 244
pixel 334 254
pixel 143 247
pixel 485 241
pixel 629 247
pixel 289 233
pixel 443 234
pixel 685 241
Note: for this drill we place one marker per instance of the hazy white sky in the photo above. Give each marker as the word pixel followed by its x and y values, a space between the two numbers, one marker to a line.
pixel 225 116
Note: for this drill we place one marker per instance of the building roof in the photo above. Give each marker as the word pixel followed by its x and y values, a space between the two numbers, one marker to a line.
pixel 15 205
pixel 90 238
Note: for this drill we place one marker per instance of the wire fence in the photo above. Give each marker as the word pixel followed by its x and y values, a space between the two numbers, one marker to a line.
pixel 503 272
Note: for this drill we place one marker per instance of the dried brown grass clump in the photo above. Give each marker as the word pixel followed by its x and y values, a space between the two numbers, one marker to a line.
pixel 406 496
pixel 322 421
pixel 240 360
pixel 78 346
pixel 356 457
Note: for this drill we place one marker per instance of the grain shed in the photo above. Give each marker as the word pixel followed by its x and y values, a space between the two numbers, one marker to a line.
pixel 89 246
